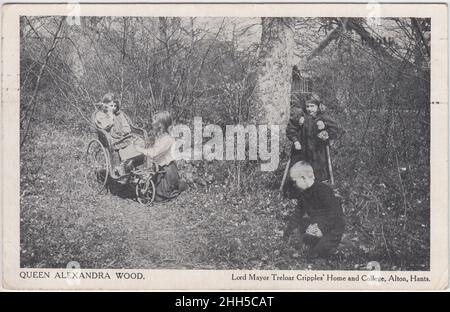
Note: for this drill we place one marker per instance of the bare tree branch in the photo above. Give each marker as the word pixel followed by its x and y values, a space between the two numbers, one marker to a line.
pixel 331 36
pixel 32 103
pixel 419 32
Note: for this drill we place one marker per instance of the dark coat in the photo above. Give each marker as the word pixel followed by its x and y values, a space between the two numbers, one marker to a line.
pixel 322 207
pixel 313 149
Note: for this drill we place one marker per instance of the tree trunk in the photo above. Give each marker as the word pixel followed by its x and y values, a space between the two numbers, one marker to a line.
pixel 274 74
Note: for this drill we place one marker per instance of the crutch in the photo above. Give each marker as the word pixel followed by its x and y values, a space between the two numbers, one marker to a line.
pixel 283 181
pixel 330 168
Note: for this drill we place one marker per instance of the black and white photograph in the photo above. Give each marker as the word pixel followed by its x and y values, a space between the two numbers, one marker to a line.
pixel 224 146
pixel 265 143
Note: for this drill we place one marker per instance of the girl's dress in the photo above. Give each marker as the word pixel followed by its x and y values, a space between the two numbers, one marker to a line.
pixel 168 184
pixel 104 120
pixel 123 138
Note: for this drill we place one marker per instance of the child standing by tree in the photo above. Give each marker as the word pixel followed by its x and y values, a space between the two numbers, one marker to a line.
pixel 310 135
pixel 168 184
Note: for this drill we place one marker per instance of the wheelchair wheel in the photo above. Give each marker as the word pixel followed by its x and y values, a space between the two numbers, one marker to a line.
pixel 145 190
pixel 96 167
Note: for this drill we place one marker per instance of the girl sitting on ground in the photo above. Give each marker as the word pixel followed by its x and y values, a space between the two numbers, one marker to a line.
pixel 168 184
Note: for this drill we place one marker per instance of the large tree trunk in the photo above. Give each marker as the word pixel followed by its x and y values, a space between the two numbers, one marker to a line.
pixel 274 73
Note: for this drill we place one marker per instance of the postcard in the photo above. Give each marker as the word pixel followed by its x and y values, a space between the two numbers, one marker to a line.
pixel 265 146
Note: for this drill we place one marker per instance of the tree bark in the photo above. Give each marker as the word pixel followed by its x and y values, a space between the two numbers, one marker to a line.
pixel 271 102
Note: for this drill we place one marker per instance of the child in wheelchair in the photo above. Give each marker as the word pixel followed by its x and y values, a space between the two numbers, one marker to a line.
pixel 111 119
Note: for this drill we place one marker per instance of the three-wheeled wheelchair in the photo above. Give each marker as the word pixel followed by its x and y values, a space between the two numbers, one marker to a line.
pixel 99 165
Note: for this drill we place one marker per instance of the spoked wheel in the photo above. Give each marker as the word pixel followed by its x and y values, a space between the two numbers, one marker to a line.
pixel 97 168
pixel 145 190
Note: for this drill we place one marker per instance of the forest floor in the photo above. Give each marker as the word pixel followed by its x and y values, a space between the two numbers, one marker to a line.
pixel 209 226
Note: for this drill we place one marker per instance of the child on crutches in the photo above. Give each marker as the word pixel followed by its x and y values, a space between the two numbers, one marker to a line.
pixel 310 134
